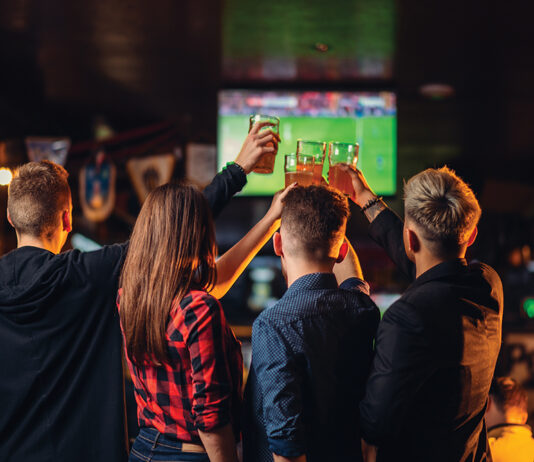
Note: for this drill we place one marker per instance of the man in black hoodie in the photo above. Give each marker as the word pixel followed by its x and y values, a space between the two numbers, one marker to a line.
pixel 61 389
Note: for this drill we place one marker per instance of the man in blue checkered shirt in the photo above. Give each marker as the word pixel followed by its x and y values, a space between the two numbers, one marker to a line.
pixel 311 352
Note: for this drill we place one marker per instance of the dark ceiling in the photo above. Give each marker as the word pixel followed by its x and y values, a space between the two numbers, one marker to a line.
pixel 63 62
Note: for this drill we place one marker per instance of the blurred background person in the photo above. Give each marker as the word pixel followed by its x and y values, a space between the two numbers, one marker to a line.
pixel 510 438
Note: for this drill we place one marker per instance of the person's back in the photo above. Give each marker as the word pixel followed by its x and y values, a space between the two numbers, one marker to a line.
pixel 510 438
pixel 60 349
pixel 60 353
pixel 61 389
pixel 311 352
pixel 437 345
pixel 456 322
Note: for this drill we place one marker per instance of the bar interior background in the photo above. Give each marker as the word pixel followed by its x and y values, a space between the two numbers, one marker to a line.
pixel 152 72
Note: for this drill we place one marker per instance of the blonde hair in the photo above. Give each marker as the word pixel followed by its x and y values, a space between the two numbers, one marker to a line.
pixel 443 206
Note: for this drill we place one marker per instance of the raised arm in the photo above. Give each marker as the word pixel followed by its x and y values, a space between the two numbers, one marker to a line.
pixel 234 261
pixel 350 266
pixel 234 176
pixel 386 227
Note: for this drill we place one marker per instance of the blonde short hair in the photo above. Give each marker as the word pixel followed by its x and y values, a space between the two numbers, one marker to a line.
pixel 443 206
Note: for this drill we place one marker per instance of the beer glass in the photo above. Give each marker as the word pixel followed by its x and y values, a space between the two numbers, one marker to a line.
pixel 299 168
pixel 341 154
pixel 317 149
pixel 266 162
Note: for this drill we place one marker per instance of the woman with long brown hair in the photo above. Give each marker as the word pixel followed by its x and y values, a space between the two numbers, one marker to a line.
pixel 183 357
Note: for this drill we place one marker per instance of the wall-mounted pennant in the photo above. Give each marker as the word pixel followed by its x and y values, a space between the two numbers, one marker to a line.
pixel 97 188
pixel 148 173
pixel 54 149
pixel 200 163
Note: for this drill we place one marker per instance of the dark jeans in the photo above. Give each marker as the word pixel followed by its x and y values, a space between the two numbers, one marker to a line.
pixel 150 445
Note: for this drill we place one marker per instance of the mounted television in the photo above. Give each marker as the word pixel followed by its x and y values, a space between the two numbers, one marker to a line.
pixel 369 118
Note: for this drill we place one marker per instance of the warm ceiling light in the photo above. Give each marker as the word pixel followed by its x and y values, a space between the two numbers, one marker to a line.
pixel 437 90
pixel 5 176
pixel 321 47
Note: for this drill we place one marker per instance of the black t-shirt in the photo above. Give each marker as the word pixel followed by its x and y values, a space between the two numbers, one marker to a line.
pixel 61 388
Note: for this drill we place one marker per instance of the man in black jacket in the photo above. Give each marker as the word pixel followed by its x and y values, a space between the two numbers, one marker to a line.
pixel 436 346
pixel 61 389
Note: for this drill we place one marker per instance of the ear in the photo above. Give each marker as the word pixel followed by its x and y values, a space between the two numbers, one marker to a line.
pixel 472 237
pixel 9 219
pixel 277 244
pixel 66 221
pixel 414 244
pixel 342 251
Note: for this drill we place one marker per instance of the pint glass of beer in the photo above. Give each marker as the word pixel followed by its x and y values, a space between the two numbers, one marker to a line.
pixel 299 168
pixel 266 162
pixel 317 149
pixel 339 154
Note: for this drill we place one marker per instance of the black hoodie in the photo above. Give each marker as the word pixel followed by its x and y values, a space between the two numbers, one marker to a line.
pixel 61 395
pixel 61 388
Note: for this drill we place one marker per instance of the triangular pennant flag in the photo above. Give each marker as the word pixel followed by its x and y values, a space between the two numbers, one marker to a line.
pixel 148 173
pixel 54 149
pixel 97 188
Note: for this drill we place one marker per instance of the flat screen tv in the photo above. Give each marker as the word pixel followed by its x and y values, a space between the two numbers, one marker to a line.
pixel 369 118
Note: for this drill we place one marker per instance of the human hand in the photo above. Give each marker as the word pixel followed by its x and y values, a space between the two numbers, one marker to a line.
pixel 362 193
pixel 275 210
pixel 256 144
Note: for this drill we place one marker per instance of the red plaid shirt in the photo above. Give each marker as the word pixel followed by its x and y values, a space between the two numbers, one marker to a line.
pixel 200 389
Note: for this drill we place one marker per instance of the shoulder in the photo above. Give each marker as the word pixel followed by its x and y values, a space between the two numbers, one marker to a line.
pixel 196 307
pixel 487 273
pixel 198 298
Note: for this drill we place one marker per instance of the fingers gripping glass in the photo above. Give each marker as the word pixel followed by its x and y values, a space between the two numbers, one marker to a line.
pixel 266 162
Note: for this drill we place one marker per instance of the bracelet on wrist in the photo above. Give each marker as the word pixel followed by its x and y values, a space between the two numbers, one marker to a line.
pixel 375 200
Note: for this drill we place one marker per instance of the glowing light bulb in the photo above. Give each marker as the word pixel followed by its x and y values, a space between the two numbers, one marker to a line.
pixel 5 176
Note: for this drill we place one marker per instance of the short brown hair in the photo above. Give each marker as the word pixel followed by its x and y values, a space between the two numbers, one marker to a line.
pixel 314 218
pixel 444 207
pixel 508 394
pixel 37 193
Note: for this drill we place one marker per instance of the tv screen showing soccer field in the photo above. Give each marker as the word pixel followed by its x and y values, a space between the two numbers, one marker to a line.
pixel 368 118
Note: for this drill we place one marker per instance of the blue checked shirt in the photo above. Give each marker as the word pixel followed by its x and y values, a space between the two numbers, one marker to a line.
pixel 311 355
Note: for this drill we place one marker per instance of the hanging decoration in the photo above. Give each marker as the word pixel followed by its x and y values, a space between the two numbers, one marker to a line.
pixel 53 149
pixel 150 172
pixel 97 187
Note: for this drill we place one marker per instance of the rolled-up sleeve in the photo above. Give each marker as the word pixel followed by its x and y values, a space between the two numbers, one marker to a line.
pixel 211 372
pixel 279 376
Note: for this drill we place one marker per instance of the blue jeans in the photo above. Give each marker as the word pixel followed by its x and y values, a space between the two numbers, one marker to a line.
pixel 150 445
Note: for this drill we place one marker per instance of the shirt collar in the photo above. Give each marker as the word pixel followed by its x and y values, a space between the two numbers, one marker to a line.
pixel 314 281
pixel 442 270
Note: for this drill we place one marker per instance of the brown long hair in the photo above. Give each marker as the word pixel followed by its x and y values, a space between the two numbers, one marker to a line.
pixel 172 250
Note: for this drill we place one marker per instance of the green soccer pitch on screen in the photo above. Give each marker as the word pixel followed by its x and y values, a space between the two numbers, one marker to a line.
pixel 368 118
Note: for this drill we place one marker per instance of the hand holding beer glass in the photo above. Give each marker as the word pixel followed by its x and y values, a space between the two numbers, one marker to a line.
pixel 317 149
pixel 341 154
pixel 266 162
pixel 299 168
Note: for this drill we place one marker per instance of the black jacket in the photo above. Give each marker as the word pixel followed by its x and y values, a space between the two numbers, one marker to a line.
pixel 61 389
pixel 436 351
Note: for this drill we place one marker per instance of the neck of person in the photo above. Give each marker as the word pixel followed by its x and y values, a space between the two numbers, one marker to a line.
pixel 298 267
pixel 52 244
pixel 425 260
